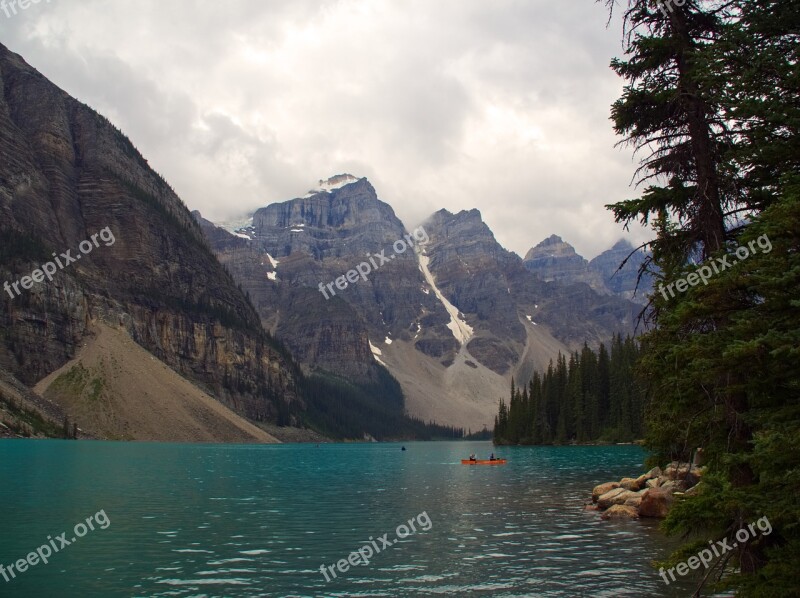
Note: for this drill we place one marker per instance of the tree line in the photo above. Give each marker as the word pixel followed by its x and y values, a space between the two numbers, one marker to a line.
pixel 711 104
pixel 593 396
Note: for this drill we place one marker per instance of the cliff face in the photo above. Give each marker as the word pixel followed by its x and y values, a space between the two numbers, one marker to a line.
pixel 66 174
pixel 621 280
pixel 295 246
pixel 555 260
pixel 500 295
pixel 453 319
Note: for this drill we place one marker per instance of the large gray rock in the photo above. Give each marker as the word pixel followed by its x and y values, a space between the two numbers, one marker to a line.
pixel 602 489
pixel 618 496
pixel 656 502
pixel 620 512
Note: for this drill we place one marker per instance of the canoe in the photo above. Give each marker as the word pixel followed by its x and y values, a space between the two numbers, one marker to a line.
pixel 483 462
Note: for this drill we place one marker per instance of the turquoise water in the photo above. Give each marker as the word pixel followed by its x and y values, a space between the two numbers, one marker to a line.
pixel 236 521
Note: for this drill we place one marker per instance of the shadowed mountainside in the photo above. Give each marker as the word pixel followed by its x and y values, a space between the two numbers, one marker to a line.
pixel 65 174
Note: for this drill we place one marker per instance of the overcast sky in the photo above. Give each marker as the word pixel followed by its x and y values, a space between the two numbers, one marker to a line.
pixel 500 105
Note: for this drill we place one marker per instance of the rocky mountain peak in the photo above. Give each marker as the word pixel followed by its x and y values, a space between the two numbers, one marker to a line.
pixel 622 244
pixel 554 247
pixel 337 182
pixel 623 282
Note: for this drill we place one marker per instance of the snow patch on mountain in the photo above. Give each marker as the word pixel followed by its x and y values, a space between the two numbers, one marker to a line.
pixel 461 330
pixel 376 353
pixel 333 183
pixel 236 226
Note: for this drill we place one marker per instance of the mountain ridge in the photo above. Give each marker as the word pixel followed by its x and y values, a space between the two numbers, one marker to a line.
pixel 67 173
pixel 459 307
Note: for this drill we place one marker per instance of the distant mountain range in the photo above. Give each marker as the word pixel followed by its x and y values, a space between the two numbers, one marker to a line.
pixel 453 320
pixel 613 272
pixel 437 330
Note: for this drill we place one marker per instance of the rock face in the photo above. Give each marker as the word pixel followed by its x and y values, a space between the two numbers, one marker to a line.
pixel 555 260
pixel 623 281
pixel 65 174
pixel 453 319
pixel 650 495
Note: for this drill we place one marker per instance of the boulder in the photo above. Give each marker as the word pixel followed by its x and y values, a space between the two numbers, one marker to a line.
pixel 630 484
pixel 635 500
pixel 620 512
pixel 693 477
pixel 675 485
pixel 656 502
pixel 671 470
pixel 694 490
pixel 602 489
pixel 654 483
pixel 617 496
pixel 679 471
pixel 654 473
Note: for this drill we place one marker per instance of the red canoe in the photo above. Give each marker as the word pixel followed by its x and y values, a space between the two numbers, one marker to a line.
pixel 483 462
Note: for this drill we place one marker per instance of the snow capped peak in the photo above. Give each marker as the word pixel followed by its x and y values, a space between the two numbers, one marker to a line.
pixel 236 226
pixel 335 182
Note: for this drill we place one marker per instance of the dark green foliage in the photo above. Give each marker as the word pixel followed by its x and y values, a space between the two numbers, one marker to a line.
pixel 593 397
pixel 28 422
pixel 712 93
pixel 341 409
pixel 722 376
pixel 485 434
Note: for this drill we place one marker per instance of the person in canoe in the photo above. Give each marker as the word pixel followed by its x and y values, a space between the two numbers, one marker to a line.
pixel 492 457
pixel 472 457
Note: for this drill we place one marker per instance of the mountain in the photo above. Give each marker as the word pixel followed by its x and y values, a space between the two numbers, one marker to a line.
pixel 131 257
pixel 448 311
pixel 556 260
pixel 624 281
pixel 96 248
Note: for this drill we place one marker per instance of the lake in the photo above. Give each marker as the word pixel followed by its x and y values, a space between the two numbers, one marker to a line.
pixel 246 521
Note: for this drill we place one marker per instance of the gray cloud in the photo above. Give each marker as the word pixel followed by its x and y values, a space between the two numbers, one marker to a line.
pixel 501 106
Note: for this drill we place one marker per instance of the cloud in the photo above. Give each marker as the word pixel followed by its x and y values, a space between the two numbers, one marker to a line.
pixel 501 106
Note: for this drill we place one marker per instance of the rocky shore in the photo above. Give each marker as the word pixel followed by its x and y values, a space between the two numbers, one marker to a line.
pixel 650 495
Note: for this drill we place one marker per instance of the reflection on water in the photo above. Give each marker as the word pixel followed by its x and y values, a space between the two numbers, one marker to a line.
pixel 245 521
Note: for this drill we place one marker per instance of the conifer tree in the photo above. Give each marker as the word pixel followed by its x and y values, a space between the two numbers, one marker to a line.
pixel 711 99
